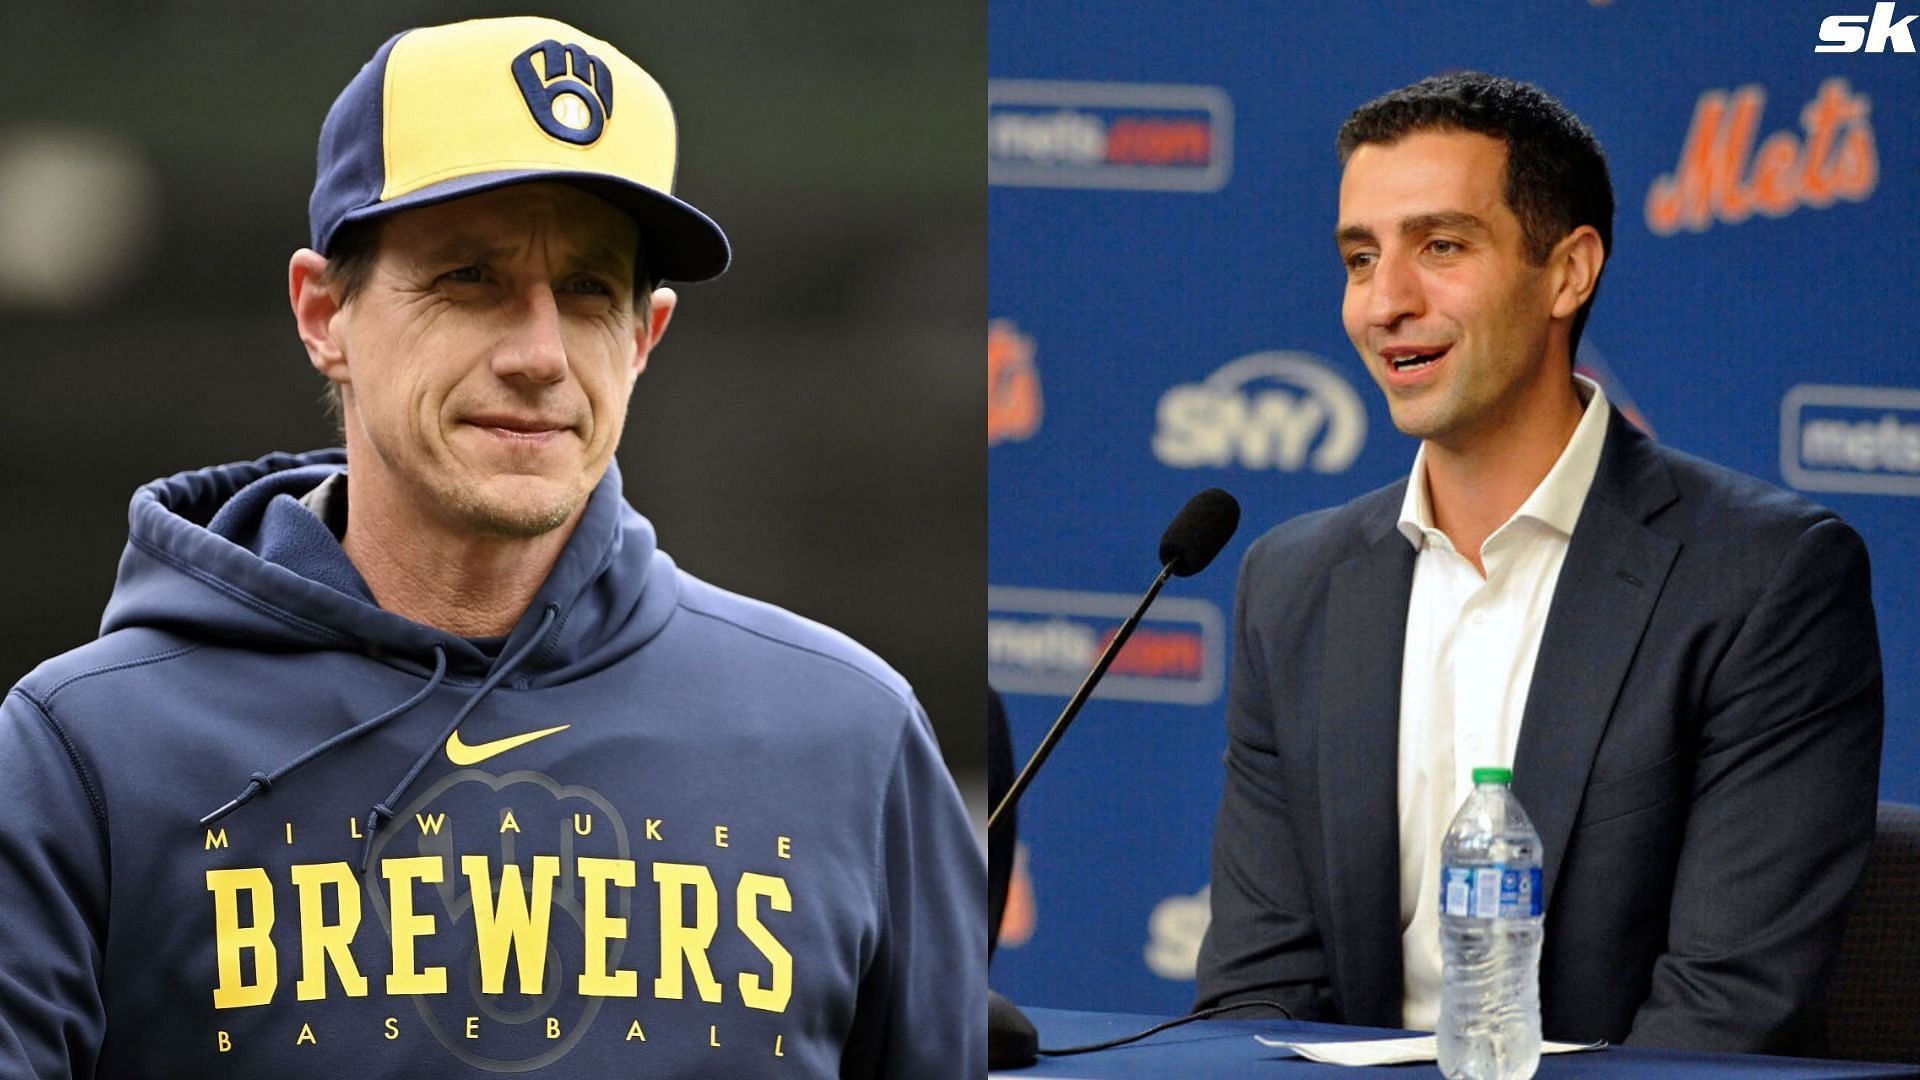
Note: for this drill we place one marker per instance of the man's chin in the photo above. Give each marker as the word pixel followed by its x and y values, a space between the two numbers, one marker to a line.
pixel 522 508
pixel 1414 423
pixel 517 524
pixel 1424 416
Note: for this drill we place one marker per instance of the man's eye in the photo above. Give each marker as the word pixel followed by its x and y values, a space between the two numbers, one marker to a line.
pixel 1443 247
pixel 471 275
pixel 1359 260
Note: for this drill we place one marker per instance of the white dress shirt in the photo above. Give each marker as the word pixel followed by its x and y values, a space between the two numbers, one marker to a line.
pixel 1470 648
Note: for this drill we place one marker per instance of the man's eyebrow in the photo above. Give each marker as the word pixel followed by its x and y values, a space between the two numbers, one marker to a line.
pixel 604 259
pixel 1456 220
pixel 464 249
pixel 474 250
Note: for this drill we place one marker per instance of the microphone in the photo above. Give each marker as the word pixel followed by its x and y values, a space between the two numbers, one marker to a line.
pixel 1199 531
pixel 1196 535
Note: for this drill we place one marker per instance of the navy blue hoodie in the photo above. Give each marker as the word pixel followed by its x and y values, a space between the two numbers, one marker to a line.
pixel 658 830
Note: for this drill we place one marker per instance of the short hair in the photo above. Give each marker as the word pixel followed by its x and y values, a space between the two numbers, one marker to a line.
pixel 355 249
pixel 1557 177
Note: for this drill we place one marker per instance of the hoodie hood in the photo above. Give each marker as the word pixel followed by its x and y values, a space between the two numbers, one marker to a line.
pixel 229 553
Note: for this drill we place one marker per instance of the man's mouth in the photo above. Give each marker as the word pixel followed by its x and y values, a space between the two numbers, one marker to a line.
pixel 1407 360
pixel 515 425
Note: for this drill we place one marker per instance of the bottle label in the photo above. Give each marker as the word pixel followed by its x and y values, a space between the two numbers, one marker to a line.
pixel 1490 892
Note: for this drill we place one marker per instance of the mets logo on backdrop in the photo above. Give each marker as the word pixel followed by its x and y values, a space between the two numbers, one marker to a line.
pixel 1043 641
pixel 1270 410
pixel 1722 177
pixel 1851 438
pixel 1108 135
pixel 570 95
pixel 1013 384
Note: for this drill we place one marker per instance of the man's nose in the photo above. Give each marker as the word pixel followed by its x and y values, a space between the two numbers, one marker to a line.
pixel 534 348
pixel 1394 292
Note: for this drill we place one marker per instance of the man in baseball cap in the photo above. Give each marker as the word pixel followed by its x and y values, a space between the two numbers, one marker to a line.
pixel 420 757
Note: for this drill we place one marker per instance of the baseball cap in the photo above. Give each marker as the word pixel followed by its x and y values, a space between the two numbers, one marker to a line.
pixel 443 112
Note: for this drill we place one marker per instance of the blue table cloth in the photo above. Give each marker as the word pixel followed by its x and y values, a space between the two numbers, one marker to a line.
pixel 1227 1048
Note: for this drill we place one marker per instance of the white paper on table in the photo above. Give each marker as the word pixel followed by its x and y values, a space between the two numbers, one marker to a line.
pixel 1392 1051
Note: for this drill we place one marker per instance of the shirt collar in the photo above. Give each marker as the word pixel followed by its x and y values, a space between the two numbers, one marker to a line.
pixel 1555 502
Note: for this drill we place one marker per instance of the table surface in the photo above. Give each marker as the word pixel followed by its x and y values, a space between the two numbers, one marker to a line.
pixel 1228 1048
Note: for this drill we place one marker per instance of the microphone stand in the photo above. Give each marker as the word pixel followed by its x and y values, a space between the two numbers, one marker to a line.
pixel 1080 697
pixel 1012 1042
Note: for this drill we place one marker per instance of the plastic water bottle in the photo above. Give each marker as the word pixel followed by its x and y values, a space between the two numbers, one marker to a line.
pixel 1490 915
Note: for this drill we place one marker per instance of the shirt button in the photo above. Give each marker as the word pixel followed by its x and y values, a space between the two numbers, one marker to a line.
pixel 1479 618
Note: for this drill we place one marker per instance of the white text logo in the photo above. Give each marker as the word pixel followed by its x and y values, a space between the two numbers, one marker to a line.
pixel 1851 33
pixel 1108 135
pixel 1174 933
pixel 1271 410
pixel 1043 641
pixel 1851 438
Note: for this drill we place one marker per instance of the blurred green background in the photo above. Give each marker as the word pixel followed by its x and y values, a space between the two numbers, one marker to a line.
pixel 810 432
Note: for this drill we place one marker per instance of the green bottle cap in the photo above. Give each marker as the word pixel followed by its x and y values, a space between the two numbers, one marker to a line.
pixel 1492 775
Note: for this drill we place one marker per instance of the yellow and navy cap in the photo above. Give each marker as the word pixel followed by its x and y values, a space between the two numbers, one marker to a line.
pixel 447 111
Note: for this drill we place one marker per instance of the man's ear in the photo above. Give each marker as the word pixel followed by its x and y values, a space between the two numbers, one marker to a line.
pixel 1576 262
pixel 648 331
pixel 314 308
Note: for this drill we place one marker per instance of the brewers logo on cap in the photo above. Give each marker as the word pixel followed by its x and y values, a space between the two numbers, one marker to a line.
pixel 448 111
pixel 563 90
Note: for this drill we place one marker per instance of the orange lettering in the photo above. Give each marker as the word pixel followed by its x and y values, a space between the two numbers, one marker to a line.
pixel 1159 142
pixel 1832 107
pixel 1856 169
pixel 1776 175
pixel 1838 160
pixel 1708 177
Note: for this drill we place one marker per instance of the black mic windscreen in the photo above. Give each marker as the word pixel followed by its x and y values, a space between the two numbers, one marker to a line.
pixel 1197 534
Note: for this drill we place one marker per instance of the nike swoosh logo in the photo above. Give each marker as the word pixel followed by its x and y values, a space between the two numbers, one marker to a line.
pixel 461 754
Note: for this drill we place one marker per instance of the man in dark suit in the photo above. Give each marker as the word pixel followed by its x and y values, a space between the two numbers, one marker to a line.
pixel 1678 662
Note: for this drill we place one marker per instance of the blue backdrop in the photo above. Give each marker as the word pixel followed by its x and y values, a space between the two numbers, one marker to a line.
pixel 1165 317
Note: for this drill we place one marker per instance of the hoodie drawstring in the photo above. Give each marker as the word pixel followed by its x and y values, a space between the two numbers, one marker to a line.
pixel 382 811
pixel 260 782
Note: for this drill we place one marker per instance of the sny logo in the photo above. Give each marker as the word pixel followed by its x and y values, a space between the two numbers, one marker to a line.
pixel 571 97
pixel 1263 411
pixel 1843 33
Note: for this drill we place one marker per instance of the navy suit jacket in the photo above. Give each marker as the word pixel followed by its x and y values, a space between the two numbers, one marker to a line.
pixel 1700 752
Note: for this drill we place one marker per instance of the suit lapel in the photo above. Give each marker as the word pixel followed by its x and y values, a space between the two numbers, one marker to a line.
pixel 1609 583
pixel 1359 731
